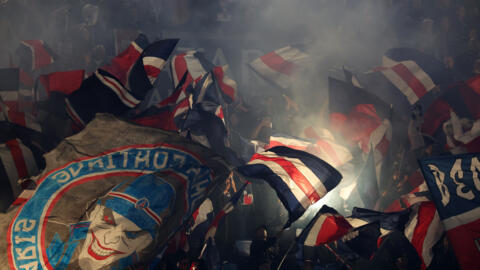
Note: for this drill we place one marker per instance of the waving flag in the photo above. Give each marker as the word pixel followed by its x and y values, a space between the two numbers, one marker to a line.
pixel 34 54
pixel 212 228
pixel 327 226
pixel 279 66
pixel 300 179
pixel 418 194
pixel 192 64
pixel 16 162
pixel 202 214
pixel 460 101
pixel 112 174
pixel 424 230
pixel 120 65
pixel 322 147
pixel 405 77
pixel 65 82
pixel 146 69
pixel 454 185
pixel 101 92
pixel 367 186
pixel 388 221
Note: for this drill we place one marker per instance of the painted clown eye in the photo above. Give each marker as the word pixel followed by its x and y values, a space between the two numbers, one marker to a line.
pixel 132 234
pixel 108 219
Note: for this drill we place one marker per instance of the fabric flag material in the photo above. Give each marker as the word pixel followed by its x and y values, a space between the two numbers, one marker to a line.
pixel 300 179
pixel 112 174
pixel 101 92
pixel 279 66
pixel 16 162
pixel 229 207
pixel 148 66
pixel 202 213
pixel 387 221
pixel 323 147
pixel 406 71
pixel 449 112
pixel 455 188
pixel 9 79
pixel 418 194
pixel 367 183
pixel 65 82
pixel 120 65
pixel 34 54
pixel 327 227
pixel 424 230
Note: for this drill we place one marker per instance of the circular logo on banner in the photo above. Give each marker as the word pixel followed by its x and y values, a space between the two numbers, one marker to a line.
pixel 69 222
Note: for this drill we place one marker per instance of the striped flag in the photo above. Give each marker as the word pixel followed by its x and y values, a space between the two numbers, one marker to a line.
pixel 202 213
pixel 120 65
pixel 194 66
pixel 424 230
pixel 65 82
pixel 409 78
pixel 148 66
pixel 405 77
pixel 16 162
pixel 327 226
pixel 212 228
pixel 299 178
pixel 101 92
pixel 279 66
pixel 322 147
pixel 454 186
pixel 36 54
pixel 9 79
pixel 418 194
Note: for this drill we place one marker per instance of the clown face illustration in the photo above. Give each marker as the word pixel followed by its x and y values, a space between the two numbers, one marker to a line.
pixel 110 237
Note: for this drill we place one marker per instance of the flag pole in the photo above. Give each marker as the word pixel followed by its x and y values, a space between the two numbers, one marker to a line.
pixel 310 224
pixel 205 241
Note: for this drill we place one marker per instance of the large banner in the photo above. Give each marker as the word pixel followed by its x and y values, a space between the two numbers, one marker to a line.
pixel 107 208
pixel 454 184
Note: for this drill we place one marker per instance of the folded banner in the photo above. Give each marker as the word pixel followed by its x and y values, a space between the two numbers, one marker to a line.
pixel 109 197
pixel 455 188
pixel 299 178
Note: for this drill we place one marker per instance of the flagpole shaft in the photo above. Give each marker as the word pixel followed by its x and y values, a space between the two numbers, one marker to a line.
pixel 296 239
pixel 286 254
pixel 338 257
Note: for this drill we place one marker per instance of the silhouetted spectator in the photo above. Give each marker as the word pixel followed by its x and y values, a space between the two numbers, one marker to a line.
pixel 263 249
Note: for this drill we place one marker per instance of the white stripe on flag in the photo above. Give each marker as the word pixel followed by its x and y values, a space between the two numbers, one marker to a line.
pixel 462 219
pixel 194 66
pixel 119 90
pixel 316 183
pixel 290 141
pixel 420 74
pixel 396 80
pixel 311 239
pixel 411 225
pixel 153 61
pixel 434 233
pixel 278 170
pixel 73 114
pixel 278 78
pixel 290 54
pixel 9 95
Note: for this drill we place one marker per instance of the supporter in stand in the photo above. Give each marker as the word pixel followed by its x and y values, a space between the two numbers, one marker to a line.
pixel 263 250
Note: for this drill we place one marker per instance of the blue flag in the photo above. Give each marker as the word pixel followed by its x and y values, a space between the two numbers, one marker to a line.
pixel 455 187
